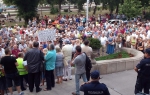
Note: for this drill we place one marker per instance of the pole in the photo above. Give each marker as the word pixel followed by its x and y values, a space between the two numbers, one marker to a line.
pixel 87 12
pixel 69 5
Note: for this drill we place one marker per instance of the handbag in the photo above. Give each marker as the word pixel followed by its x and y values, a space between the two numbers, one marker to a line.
pixel 113 43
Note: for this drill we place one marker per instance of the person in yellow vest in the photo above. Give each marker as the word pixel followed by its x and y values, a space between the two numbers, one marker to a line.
pixel 2 82
pixel 22 70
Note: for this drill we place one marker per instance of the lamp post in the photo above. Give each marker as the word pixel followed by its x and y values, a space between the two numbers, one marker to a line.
pixel 87 13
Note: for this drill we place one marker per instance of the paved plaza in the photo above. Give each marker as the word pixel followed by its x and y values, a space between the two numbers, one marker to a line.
pixel 121 83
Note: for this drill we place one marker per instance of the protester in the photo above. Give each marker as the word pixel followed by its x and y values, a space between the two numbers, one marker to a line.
pixel 9 62
pixel 79 61
pixel 110 45
pixel 59 65
pixel 50 59
pixel 15 51
pixel 88 50
pixel 94 87
pixel 22 69
pixel 34 59
pixel 67 52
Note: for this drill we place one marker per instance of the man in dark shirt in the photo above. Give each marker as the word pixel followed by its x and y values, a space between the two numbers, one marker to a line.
pixel 143 70
pixel 9 62
pixel 34 59
pixel 94 87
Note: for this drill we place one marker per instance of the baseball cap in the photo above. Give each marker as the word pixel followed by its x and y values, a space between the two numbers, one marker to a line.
pixel 147 51
pixel 95 74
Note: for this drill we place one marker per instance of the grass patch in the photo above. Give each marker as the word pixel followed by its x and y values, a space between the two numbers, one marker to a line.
pixel 122 54
pixel 13 23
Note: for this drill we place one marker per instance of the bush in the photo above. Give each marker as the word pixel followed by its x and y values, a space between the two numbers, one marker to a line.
pixel 95 43
pixel 98 8
pixel 65 10
pixel 54 10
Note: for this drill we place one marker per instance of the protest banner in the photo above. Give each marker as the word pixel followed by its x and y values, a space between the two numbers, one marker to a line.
pixel 46 35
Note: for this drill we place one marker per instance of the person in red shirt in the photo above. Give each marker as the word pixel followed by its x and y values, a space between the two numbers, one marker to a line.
pixel 15 51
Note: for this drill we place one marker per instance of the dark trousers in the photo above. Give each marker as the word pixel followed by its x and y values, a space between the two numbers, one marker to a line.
pixel 34 78
pixel 142 83
pixel 22 78
pixel 88 75
pixel 50 80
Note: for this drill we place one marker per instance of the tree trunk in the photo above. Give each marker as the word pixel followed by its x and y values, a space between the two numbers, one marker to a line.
pixel 59 6
pixel 94 11
pixel 26 20
pixel 117 9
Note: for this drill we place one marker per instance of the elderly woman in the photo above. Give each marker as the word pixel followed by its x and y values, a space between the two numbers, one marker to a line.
pixel 50 59
pixel 59 65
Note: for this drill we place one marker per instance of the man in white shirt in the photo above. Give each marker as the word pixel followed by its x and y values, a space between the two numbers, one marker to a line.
pixel 128 38
pixel 67 51
pixel 103 49
pixel 22 46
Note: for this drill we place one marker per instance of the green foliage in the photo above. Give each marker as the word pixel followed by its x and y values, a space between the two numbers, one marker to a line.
pixel 54 10
pixel 95 43
pixel 79 4
pixel 55 2
pixel 98 8
pixel 65 10
pixel 122 54
pixel 111 4
pixel 131 8
pixel 26 9
pixel 145 3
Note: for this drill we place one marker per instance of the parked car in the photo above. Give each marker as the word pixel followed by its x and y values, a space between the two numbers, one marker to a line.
pixel 113 21
pixel 11 7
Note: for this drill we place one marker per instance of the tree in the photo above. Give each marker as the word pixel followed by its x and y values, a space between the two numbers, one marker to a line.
pixel 79 4
pixel 111 5
pixel 131 8
pixel 26 9
pixel 53 2
pixel 96 3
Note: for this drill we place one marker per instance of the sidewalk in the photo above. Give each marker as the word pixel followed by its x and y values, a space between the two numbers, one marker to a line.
pixel 121 83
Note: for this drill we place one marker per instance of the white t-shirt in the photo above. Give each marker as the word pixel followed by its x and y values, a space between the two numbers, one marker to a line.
pixel 128 38
pixel 103 40
pixel 21 47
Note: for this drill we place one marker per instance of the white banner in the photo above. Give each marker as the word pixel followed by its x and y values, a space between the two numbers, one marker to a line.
pixel 46 35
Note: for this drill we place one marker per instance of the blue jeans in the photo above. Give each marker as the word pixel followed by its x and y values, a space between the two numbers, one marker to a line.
pixel 77 81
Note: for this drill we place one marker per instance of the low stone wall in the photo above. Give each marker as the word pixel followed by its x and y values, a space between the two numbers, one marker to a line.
pixel 117 65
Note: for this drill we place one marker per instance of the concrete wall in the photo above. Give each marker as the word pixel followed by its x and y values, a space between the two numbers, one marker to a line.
pixel 118 65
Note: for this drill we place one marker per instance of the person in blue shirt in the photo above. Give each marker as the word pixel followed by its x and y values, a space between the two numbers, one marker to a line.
pixel 143 78
pixel 44 45
pixel 50 59
pixel 94 87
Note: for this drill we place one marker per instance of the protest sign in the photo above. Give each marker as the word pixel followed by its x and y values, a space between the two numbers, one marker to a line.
pixel 46 35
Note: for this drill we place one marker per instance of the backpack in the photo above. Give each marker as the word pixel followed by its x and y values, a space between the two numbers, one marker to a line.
pixel 88 64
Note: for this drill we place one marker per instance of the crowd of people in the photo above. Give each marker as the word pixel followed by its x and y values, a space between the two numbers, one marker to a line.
pixel 21 51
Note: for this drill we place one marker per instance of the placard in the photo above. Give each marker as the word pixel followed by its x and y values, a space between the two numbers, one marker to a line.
pixel 46 35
